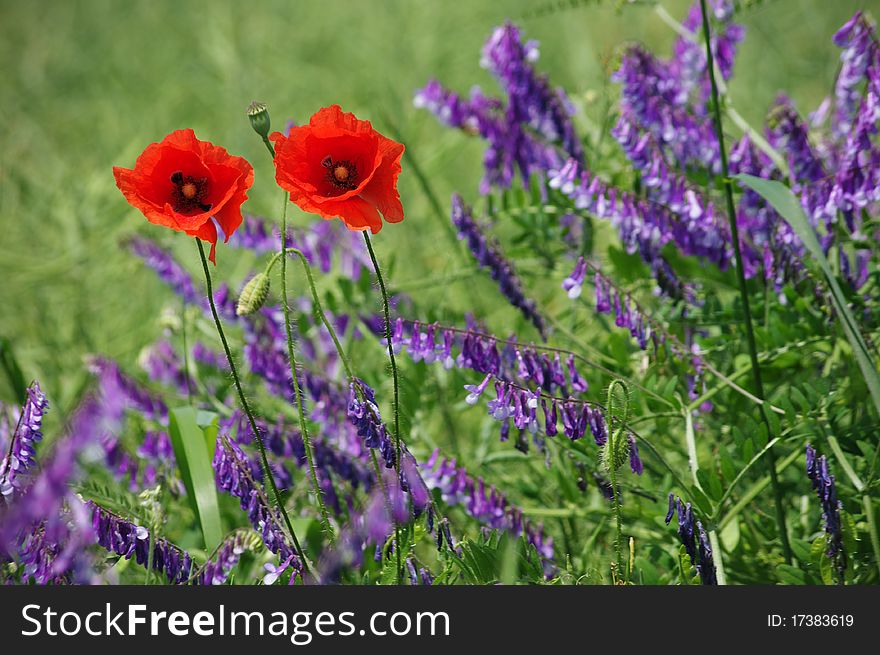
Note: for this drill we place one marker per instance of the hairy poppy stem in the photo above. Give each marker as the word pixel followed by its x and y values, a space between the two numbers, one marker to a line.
pixel 267 471
pixel 291 354
pixel 743 289
pixel 395 380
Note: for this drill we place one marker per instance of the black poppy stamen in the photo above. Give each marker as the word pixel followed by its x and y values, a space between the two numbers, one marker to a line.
pixel 341 174
pixel 189 193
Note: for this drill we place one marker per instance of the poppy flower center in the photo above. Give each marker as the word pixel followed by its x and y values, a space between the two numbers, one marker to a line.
pixel 341 174
pixel 189 193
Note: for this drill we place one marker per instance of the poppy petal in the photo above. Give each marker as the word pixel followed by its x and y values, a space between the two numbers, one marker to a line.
pixel 382 189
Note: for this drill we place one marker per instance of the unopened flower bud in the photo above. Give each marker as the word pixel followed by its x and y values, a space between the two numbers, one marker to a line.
pixel 258 113
pixel 253 295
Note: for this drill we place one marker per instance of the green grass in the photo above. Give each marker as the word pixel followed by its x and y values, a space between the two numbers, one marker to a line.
pixel 88 84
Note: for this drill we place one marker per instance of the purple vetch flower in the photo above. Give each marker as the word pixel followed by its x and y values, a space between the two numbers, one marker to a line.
pixel 489 256
pixel 162 365
pixel 233 476
pixel 364 414
pixel 858 42
pixel 698 229
pixel 284 443
pixel 527 364
pixel 167 268
pixel 531 100
pixel 689 531
pixel 706 566
pixel 44 526
pixel 573 283
pixel 483 502
pixel 644 227
pixel 475 391
pixel 523 134
pixel 209 357
pixel 180 281
pixel 128 540
pixel 19 456
pixel 120 392
pixel 826 489
pixel 318 243
pixel 635 462
pixel 411 481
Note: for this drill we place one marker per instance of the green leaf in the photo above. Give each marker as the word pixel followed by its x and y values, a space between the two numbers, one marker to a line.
pixel 785 202
pixel 194 457
pixel 801 551
pixel 790 574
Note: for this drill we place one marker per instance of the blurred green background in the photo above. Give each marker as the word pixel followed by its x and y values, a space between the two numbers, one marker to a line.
pixel 87 84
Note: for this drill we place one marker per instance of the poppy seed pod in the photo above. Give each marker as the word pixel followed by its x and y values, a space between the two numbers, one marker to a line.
pixel 258 114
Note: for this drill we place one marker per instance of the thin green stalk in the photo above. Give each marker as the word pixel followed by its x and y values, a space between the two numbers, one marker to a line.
pixel 267 471
pixel 291 355
pixel 743 290
pixel 396 382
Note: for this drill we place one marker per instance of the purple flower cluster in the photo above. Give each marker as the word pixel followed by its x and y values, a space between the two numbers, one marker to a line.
pixel 128 539
pixel 19 456
pixel 483 502
pixel 44 526
pixel 217 569
pixel 180 281
pixel 285 444
pixel 699 229
pixel 363 413
pixel 694 538
pixel 318 243
pixel 162 365
pixel 527 364
pixel 826 489
pixel 514 404
pixel 658 96
pixel 532 102
pixel 644 227
pixel 489 256
pixel 233 475
pixel 528 133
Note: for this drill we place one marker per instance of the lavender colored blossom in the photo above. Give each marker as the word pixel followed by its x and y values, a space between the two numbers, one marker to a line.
pixel 233 476
pixel 483 502
pixel 531 133
pixel 44 527
pixel 531 100
pixel 20 455
pixel 319 242
pixel 162 365
pixel 490 257
pixel 180 281
pixel 364 414
pixel 694 539
pixel 217 569
pixel 285 444
pixel 826 489
pixel 128 540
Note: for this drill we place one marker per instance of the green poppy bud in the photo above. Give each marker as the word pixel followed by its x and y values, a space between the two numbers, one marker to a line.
pixel 253 295
pixel 258 113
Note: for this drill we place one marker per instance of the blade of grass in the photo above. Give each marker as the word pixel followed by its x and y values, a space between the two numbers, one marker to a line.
pixel 194 457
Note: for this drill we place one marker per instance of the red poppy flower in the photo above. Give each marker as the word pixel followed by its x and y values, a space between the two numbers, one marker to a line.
pixel 340 166
pixel 184 183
